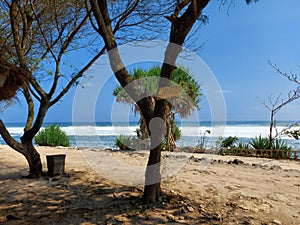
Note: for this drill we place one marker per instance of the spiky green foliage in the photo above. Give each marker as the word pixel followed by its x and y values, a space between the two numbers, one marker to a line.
pixel 52 136
pixel 281 145
pixel 187 100
pixel 147 84
pixel 263 144
pixel 242 145
pixel 124 142
pixel 176 132
pixel 260 142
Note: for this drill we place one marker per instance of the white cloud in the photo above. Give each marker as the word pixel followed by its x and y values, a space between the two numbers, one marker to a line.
pixel 224 91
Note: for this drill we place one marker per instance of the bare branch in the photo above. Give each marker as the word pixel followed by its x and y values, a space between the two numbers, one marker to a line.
pixel 291 77
pixel 75 78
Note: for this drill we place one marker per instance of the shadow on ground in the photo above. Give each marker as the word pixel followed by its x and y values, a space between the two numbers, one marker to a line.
pixel 79 198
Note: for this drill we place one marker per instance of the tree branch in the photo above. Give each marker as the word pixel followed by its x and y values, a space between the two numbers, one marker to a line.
pixel 9 140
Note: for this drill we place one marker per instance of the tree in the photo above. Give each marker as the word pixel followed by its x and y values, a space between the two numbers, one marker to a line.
pixel 274 105
pixel 184 104
pixel 36 38
pixel 183 17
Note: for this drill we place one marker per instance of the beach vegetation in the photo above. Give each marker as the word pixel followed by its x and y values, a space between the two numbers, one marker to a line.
pixel 275 104
pixel 281 145
pixel 38 35
pixel 293 133
pixel 52 136
pixel 185 103
pixel 264 143
pixel 183 16
pixel 124 142
pixel 260 142
pixel 229 142
pixel 202 140
pixel 242 145
pixel 35 37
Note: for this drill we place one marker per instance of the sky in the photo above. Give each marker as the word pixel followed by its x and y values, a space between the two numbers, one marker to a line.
pixel 237 44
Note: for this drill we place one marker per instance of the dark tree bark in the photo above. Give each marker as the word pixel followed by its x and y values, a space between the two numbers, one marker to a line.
pixel 180 27
pixel 29 29
pixel 27 149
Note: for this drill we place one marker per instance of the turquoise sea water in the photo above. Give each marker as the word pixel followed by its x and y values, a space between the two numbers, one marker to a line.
pixel 103 134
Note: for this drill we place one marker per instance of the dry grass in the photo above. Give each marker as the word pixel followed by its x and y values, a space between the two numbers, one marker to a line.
pixel 15 79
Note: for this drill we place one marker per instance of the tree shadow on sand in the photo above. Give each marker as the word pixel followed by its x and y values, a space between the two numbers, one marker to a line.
pixel 81 198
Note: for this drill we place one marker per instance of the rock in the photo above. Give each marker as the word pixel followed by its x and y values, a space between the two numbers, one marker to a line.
pixel 121 218
pixel 275 167
pixel 196 160
pixel 170 217
pixel 275 221
pixel 190 208
pixel 237 162
pixel 173 192
pixel 12 217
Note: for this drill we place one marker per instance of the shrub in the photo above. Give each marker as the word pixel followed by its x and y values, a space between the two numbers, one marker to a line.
pixel 176 132
pixel 260 142
pixel 281 145
pixel 242 145
pixel 124 142
pixel 263 143
pixel 229 142
pixel 202 139
pixel 52 136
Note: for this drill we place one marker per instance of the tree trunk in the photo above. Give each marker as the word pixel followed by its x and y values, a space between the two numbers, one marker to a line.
pixel 143 128
pixel 27 149
pixel 150 107
pixel 152 175
pixel 33 158
pixel 271 130
pixel 180 28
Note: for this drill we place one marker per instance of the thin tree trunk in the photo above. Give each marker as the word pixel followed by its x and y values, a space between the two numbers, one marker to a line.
pixel 271 130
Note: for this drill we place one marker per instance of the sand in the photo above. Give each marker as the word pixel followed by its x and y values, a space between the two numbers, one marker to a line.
pixel 197 189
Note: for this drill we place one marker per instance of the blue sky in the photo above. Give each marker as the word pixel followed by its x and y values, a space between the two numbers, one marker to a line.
pixel 237 45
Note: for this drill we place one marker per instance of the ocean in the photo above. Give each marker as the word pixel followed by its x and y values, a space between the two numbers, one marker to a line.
pixel 103 134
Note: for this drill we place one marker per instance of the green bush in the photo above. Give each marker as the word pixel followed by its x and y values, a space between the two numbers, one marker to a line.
pixel 52 136
pixel 263 144
pixel 229 142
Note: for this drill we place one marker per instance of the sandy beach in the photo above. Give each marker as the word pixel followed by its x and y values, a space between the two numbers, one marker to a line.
pixel 206 189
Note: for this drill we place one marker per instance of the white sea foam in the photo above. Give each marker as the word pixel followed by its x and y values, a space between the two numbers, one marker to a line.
pixel 104 136
pixel 246 131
